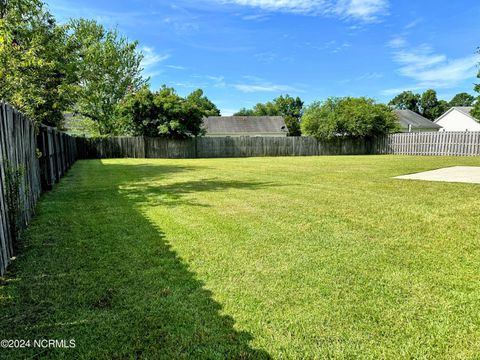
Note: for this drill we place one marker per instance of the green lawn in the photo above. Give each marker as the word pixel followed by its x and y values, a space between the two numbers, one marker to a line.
pixel 284 258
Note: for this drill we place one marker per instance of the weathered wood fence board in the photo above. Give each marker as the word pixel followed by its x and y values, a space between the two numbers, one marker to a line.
pixel 424 143
pixel 217 147
pixel 42 155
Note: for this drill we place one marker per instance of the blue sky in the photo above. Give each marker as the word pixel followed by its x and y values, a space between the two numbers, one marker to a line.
pixel 246 51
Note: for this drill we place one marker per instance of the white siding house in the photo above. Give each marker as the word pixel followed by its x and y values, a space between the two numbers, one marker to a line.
pixel 458 119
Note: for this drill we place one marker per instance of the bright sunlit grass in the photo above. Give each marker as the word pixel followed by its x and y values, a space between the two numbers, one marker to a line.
pixel 250 258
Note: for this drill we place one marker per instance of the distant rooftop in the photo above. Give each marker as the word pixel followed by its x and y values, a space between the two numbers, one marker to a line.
pixel 464 109
pixel 416 121
pixel 245 125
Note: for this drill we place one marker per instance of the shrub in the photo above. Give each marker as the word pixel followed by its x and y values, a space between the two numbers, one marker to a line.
pixel 163 113
pixel 348 117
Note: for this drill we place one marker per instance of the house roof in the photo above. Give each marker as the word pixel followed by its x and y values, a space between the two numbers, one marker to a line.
pixel 465 110
pixel 245 124
pixel 417 121
pixel 72 122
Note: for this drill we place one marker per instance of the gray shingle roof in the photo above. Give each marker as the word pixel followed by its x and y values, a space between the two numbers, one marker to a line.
pixel 464 109
pixel 245 125
pixel 408 117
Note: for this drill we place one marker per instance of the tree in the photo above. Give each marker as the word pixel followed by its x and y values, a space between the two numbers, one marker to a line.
pixel 137 114
pixel 108 68
pixel 406 100
pixel 208 108
pixel 47 69
pixel 425 104
pixel 35 73
pixel 245 112
pixel 163 113
pixel 462 99
pixel 430 106
pixel 476 109
pixel 348 117
pixel 290 108
pixel 442 107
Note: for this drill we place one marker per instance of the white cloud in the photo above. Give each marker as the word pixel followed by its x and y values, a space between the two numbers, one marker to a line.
pixel 266 57
pixel 255 17
pixel 369 76
pixel 206 81
pixel 396 91
pixel 251 84
pixel 363 77
pixel 397 42
pixel 257 84
pixel 331 46
pixel 176 67
pixel 151 58
pixel 364 10
pixel 413 23
pixel 428 69
pixel 267 87
pixel 446 74
pixel 188 85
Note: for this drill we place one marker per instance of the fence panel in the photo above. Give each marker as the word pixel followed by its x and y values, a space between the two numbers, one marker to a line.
pixel 422 143
pixel 20 145
pixel 217 147
pixel 462 143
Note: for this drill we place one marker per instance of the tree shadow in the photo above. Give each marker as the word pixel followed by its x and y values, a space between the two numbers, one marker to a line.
pixel 94 269
pixel 176 194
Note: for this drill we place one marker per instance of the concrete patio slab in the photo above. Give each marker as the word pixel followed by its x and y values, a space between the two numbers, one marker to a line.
pixel 462 174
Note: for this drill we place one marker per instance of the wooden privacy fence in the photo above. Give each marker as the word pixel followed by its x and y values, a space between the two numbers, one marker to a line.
pixel 217 147
pixel 31 160
pixel 449 143
pixel 58 152
pixel 421 143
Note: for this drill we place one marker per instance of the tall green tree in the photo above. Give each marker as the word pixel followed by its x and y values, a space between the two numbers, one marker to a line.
pixel 430 106
pixel 245 112
pixel 108 68
pixel 406 100
pixel 476 109
pixel 290 108
pixel 425 104
pixel 207 107
pixel 462 99
pixel 36 73
pixel 348 117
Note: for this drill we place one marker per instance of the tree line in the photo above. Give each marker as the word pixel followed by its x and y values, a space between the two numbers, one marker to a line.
pixel 354 117
pixel 49 69
pixel 427 103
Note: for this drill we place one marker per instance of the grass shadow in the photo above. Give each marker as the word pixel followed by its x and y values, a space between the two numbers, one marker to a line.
pixel 95 270
pixel 177 193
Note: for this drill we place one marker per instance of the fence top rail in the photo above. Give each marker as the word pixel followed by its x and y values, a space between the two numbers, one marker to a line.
pixel 434 132
pixel 51 128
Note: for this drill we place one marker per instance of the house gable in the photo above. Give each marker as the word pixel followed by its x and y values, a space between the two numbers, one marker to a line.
pixel 458 119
